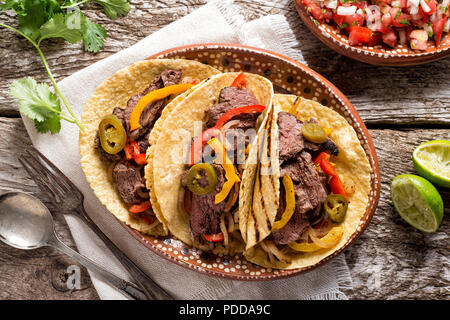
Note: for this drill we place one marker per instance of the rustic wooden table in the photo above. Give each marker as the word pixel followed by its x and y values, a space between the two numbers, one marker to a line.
pixel 402 107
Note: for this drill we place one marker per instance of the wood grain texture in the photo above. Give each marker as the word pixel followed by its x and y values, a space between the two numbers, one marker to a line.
pixel 390 261
pixel 421 94
pixel 40 273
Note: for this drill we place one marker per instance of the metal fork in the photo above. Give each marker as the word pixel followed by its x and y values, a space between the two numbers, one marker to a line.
pixel 67 197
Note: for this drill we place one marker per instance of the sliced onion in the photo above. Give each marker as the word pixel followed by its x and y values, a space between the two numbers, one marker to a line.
pixel 319 242
pixel 332 4
pixel 424 6
pixel 229 124
pixel 270 247
pixel 224 230
pixel 413 3
pixel 346 11
pixel 413 10
pixel 143 194
pixel 396 4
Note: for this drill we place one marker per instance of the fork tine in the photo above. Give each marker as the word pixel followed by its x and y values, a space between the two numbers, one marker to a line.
pixel 41 184
pixel 54 177
pixel 60 175
pixel 46 177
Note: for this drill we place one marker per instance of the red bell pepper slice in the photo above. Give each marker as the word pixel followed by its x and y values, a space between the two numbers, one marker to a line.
pixel 327 168
pixel 133 151
pixel 140 158
pixel 141 207
pixel 337 187
pixel 438 28
pixel 218 237
pixel 237 111
pixel 239 81
pixel 199 142
pixel 320 157
pixel 197 146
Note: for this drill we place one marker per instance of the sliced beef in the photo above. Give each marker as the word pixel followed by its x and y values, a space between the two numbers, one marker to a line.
pixel 310 193
pixel 237 97
pixel 152 111
pixel 230 98
pixel 129 179
pixel 291 139
pixel 105 156
pixel 120 113
pixel 205 214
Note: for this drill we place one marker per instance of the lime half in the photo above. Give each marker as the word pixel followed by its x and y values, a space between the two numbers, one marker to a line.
pixel 417 201
pixel 432 161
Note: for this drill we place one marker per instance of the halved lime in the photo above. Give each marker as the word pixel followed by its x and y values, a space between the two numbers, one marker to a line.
pixel 432 161
pixel 417 201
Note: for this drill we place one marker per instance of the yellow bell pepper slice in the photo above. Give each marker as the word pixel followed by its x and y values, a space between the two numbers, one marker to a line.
pixel 153 96
pixel 230 173
pixel 330 239
pixel 290 203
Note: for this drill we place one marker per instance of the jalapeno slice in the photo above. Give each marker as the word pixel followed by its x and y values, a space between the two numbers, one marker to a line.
pixel 112 134
pixel 314 133
pixel 201 179
pixel 336 206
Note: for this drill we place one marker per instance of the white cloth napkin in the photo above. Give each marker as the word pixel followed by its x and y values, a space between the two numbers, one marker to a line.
pixel 217 21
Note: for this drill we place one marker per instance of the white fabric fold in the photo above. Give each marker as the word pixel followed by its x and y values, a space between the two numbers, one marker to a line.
pixel 217 21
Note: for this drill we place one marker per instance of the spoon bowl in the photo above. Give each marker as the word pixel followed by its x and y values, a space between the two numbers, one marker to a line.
pixel 25 222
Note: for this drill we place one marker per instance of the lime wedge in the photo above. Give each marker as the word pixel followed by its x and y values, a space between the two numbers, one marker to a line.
pixel 432 161
pixel 417 201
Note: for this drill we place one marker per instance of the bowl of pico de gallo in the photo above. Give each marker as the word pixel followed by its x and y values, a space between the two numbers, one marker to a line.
pixel 381 32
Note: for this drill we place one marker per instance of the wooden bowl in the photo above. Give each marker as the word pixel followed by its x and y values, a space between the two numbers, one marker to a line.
pixel 288 76
pixel 381 55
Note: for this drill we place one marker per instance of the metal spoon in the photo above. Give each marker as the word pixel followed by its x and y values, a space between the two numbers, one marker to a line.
pixel 26 223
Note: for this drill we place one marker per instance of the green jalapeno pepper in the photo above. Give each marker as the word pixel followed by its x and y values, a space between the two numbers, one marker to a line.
pixel 314 133
pixel 201 179
pixel 336 206
pixel 112 134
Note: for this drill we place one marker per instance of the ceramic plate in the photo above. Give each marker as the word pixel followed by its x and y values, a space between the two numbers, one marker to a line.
pixel 383 55
pixel 288 76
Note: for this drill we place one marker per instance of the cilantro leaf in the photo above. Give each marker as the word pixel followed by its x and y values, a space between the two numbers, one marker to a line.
pixel 31 17
pixel 52 124
pixel 10 4
pixel 67 27
pixel 37 102
pixel 93 35
pixel 114 8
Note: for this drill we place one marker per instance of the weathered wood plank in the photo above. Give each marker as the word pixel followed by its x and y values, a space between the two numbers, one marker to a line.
pixel 421 94
pixel 40 273
pixel 391 259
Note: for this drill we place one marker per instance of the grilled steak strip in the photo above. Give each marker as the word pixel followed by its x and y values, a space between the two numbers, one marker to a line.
pixel 310 186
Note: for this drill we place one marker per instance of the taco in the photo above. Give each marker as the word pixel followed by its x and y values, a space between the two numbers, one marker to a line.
pixel 118 120
pixel 205 156
pixel 311 190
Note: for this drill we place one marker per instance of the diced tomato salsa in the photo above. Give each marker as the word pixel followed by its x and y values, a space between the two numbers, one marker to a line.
pixel 392 22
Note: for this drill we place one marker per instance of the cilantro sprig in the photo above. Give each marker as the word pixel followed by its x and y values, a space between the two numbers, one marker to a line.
pixel 47 19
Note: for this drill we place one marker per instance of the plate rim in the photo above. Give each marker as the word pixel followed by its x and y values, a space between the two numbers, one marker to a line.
pixel 361 54
pixel 345 102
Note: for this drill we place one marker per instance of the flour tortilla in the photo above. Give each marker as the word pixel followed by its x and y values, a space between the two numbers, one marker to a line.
pixel 352 166
pixel 173 141
pixel 115 92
